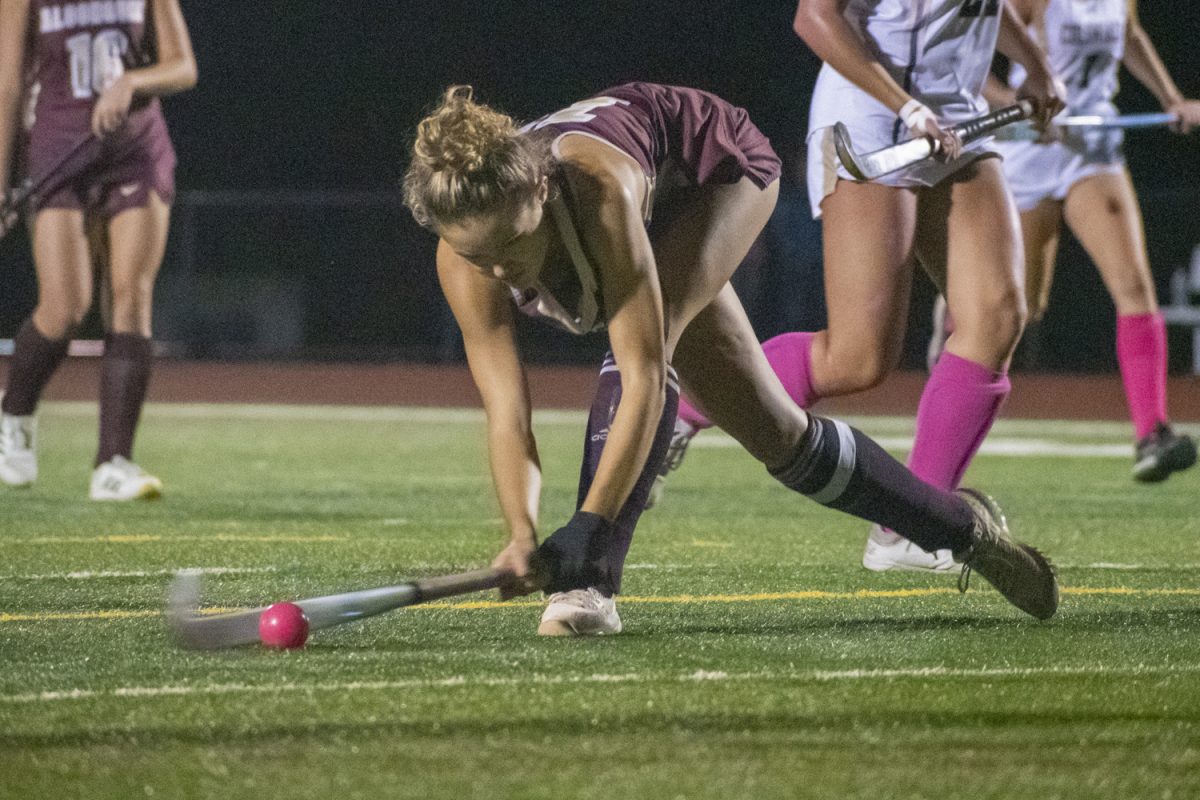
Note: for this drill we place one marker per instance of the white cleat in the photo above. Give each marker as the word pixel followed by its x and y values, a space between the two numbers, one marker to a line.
pixel 881 555
pixel 580 612
pixel 18 450
pixel 120 480
pixel 681 437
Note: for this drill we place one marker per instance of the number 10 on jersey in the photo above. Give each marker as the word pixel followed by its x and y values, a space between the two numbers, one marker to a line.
pixel 96 61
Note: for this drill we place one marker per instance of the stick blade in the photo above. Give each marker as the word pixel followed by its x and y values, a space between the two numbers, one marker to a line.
pixel 193 631
pixel 869 166
pixel 845 152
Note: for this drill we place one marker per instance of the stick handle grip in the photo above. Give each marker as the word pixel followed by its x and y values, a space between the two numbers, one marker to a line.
pixel 463 583
pixel 973 129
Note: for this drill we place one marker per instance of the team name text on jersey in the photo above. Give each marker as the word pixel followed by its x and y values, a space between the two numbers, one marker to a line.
pixel 94 12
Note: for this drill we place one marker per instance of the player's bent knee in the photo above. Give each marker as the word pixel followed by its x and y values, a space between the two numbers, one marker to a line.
pixel 59 323
pixel 857 372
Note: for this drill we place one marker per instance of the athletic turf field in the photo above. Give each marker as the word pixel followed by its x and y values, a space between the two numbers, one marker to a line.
pixel 759 660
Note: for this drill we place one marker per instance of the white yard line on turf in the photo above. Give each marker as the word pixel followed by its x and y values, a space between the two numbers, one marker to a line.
pixel 82 575
pixel 993 446
pixel 699 676
pixel 157 573
pixel 875 425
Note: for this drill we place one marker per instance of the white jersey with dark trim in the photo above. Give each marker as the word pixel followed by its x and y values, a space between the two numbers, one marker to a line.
pixel 1085 41
pixel 939 51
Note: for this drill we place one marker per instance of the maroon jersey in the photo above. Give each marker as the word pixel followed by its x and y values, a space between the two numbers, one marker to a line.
pixel 671 127
pixel 677 136
pixel 75 51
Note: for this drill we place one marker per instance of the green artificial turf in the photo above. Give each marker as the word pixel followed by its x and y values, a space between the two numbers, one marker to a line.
pixel 759 659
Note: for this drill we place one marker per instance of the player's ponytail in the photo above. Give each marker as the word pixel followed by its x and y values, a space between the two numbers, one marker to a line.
pixel 469 158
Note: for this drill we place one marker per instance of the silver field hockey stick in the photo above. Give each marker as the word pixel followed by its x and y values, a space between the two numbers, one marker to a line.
pixel 1156 120
pixel 1086 122
pixel 193 630
pixel 869 166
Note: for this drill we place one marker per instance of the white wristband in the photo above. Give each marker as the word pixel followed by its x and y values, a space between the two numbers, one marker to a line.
pixel 915 114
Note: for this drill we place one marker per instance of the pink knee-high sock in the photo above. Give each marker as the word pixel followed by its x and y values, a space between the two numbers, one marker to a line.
pixel 789 355
pixel 1142 356
pixel 960 402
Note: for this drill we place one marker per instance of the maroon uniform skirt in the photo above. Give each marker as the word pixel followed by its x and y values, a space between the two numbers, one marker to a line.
pixel 105 176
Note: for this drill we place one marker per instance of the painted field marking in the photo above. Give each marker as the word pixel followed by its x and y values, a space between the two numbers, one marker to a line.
pixel 83 575
pixel 757 597
pixel 875 425
pixel 696 677
pixel 184 537
pixel 992 446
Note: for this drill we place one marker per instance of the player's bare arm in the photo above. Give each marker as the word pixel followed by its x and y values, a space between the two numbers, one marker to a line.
pixel 612 184
pixel 13 16
pixel 484 314
pixel 174 71
pixel 823 28
pixel 1142 60
pixel 1040 86
pixel 997 93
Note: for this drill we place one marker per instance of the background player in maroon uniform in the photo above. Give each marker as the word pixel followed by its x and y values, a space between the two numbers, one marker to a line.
pixel 90 69
pixel 553 216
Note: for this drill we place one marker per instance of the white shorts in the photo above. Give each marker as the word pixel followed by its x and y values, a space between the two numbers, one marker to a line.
pixel 873 126
pixel 1038 172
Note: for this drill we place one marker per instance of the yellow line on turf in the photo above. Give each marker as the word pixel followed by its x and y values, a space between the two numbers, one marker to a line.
pixel 761 597
pixel 862 594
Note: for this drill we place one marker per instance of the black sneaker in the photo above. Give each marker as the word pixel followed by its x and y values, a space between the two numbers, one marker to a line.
pixel 1019 572
pixel 1162 452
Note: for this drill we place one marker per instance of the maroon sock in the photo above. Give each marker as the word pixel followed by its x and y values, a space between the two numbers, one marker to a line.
pixel 34 360
pixel 124 375
pixel 604 408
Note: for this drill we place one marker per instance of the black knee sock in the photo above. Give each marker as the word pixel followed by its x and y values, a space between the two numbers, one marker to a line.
pixel 34 360
pixel 604 407
pixel 842 468
pixel 124 376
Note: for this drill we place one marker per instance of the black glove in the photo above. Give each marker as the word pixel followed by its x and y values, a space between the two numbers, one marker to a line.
pixel 576 555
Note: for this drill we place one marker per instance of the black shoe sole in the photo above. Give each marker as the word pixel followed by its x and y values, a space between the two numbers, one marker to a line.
pixel 1179 456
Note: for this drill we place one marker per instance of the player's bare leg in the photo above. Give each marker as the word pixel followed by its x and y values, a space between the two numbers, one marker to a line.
pixel 64 296
pixel 868 237
pixel 868 248
pixel 1041 229
pixel 838 466
pixel 706 239
pixel 714 234
pixel 137 240
pixel 968 239
pixel 1103 213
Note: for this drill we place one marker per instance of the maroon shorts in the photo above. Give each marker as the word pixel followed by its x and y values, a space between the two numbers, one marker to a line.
pixel 675 129
pixel 720 144
pixel 108 176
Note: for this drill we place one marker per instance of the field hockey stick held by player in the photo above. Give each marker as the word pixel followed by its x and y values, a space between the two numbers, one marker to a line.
pixel 869 166
pixel 193 630
pixel 1124 121
pixel 61 171
pixel 1086 122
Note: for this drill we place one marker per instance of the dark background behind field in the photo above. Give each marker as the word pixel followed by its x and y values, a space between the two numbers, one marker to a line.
pixel 289 240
